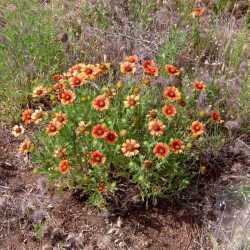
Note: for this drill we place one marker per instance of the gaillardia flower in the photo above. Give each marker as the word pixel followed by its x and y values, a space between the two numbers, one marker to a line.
pixel 110 137
pixel 99 131
pixel 156 127
pixel 17 130
pixel 197 128
pixel 127 68
pixel 53 128
pixel 131 101
pixel 199 85
pixel 198 12
pixel 97 158
pixel 216 117
pixel 131 59
pixel 176 145
pixel 39 91
pixel 64 166
pixel 76 81
pixel 38 116
pixel 89 72
pixel 161 150
pixel 25 146
pixel 26 116
pixel 152 114
pixel 102 188
pixel 60 118
pixel 76 69
pixel 169 110
pixel 57 77
pixel 104 67
pixel 59 86
pixel 172 93
pixel 130 148
pixel 172 70
pixel 150 68
pixel 101 103
pixel 67 97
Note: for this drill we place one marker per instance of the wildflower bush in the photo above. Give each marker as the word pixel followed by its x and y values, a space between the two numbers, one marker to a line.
pixel 101 134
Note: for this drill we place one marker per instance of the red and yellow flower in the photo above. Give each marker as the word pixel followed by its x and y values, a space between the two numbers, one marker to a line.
pixel 172 93
pixel 197 128
pixel 161 150
pixel 176 145
pixel 102 188
pixel 59 86
pixel 97 158
pixel 150 68
pixel 169 110
pixel 131 101
pixel 130 148
pixel 61 118
pixel 99 131
pixel 216 117
pixel 25 146
pixel 76 69
pixel 199 85
pixel 89 72
pixel 103 67
pixel 39 91
pixel 57 77
pixel 101 103
pixel 38 115
pixel 110 137
pixel 67 97
pixel 172 70
pixel 152 114
pixel 64 166
pixel 17 130
pixel 127 68
pixel 198 12
pixel 131 59
pixel 76 81
pixel 26 116
pixel 156 127
pixel 53 128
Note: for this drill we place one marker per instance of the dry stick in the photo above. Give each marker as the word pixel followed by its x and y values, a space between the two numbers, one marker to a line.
pixel 140 40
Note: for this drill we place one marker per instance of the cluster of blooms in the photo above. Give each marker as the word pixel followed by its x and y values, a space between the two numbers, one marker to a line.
pixel 64 89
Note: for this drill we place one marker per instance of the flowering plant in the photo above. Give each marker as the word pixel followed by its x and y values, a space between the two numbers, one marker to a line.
pixel 100 134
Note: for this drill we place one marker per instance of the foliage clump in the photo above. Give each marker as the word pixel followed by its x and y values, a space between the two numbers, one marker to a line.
pixel 100 135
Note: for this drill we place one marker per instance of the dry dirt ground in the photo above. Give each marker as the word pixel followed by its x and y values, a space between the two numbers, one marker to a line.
pixel 35 215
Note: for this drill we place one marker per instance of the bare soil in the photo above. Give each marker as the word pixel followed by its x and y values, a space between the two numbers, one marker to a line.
pixel 36 215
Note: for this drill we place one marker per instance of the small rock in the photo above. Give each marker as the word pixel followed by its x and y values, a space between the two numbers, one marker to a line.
pixel 232 125
pixel 2 201
pixel 122 244
pixel 104 242
pixel 112 230
pixel 119 222
pixel 47 247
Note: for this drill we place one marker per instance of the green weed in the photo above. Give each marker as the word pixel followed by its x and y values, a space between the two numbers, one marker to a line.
pixel 31 53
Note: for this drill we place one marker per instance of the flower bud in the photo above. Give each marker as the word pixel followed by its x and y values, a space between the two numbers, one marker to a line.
pixel 119 85
pixel 123 132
